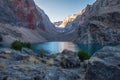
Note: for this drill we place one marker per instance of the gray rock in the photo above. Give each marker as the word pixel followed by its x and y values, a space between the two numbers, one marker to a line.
pixel 18 56
pixel 54 73
pixel 14 67
pixel 104 64
pixel 7 53
pixel 98 23
pixel 67 59
pixel 28 51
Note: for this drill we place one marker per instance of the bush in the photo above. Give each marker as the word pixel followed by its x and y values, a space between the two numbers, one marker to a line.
pixel 1 38
pixel 27 45
pixel 83 55
pixel 18 45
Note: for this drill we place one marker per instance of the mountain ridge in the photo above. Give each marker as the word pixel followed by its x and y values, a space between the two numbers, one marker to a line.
pixel 25 14
pixel 99 23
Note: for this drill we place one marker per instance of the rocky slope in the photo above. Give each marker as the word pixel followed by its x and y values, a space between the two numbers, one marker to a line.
pixel 24 13
pixel 27 65
pixel 104 64
pixel 69 19
pixel 99 23
pixel 10 33
pixel 102 24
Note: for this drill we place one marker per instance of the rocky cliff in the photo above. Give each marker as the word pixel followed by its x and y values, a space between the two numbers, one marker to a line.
pixel 102 25
pixel 99 23
pixel 24 13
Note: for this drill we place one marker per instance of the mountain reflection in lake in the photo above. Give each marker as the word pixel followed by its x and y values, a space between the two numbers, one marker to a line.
pixel 56 47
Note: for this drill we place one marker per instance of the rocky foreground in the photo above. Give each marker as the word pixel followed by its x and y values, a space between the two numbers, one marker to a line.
pixel 27 65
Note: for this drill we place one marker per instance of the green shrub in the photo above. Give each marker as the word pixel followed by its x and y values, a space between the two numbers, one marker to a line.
pixel 1 38
pixel 18 45
pixel 27 45
pixel 83 55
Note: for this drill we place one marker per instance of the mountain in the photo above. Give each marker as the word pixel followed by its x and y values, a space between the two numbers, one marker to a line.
pixel 68 30
pixel 57 24
pixel 69 19
pixel 99 23
pixel 102 25
pixel 26 15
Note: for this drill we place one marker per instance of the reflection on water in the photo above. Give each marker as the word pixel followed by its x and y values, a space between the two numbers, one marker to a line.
pixel 67 45
pixel 55 47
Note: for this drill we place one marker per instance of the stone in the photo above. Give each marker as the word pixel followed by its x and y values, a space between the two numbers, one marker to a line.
pixel 104 64
pixel 54 73
pixel 28 51
pixel 67 59
pixel 18 56
pixel 17 67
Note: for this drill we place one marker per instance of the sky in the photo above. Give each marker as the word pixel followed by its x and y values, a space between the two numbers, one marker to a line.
pixel 57 10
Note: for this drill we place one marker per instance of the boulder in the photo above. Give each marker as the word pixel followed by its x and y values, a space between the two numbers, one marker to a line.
pixel 7 53
pixel 104 64
pixel 67 59
pixel 18 56
pixel 28 51
pixel 55 73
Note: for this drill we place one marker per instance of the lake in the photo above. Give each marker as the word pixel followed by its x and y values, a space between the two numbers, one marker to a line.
pixel 56 47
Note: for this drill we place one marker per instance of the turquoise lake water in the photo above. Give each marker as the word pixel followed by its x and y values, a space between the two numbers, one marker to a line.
pixel 56 47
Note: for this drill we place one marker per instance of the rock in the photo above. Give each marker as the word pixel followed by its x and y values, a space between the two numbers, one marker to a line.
pixel 23 20
pixel 7 53
pixel 54 73
pixel 97 23
pixel 67 59
pixel 21 66
pixel 104 64
pixel 24 13
pixel 19 56
pixel 28 51
pixel 84 65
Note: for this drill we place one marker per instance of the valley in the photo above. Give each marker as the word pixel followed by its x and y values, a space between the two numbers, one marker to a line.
pixel 84 46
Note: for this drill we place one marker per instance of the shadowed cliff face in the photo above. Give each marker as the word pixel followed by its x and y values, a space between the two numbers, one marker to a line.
pixel 102 25
pixel 21 12
pixel 99 23
pixel 25 15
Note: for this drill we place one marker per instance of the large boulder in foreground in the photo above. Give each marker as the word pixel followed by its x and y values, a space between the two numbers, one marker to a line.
pixel 104 64
pixel 67 59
